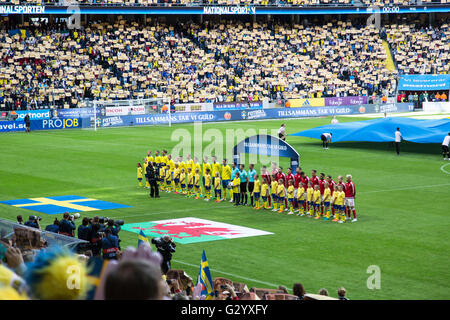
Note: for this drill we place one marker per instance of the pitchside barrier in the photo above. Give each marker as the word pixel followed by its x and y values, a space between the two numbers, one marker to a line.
pixel 30 238
pixel 82 117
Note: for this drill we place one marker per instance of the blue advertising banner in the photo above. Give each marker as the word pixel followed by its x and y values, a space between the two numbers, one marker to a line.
pixel 423 82
pixel 241 105
pixel 75 113
pixel 34 114
pixel 56 123
pixel 264 144
pixel 81 118
pixel 9 126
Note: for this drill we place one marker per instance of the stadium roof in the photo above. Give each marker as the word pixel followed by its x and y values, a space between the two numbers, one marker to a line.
pixel 382 130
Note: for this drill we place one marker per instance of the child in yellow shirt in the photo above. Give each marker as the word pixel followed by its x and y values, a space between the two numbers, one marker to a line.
pixel 257 192
pixel 290 195
pixel 309 196
pixel 265 193
pixel 190 182
pixel 197 183
pixel 183 181
pixel 139 174
pixel 301 200
pixel 273 191
pixel 316 201
pixel 280 195
pixel 326 201
pixel 217 187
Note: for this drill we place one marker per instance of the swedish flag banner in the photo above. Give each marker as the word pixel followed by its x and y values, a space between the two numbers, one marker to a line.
pixel 142 238
pixel 204 277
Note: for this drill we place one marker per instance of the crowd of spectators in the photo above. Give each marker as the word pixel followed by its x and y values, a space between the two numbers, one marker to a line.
pixel 48 65
pixel 419 49
pixel 137 274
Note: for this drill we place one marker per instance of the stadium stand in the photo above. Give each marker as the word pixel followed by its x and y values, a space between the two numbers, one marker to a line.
pixel 417 49
pixel 190 62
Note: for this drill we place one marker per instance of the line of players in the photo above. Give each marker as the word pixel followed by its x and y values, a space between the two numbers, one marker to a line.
pixel 315 196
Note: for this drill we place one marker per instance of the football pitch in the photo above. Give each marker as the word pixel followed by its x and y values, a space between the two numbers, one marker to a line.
pixel 402 207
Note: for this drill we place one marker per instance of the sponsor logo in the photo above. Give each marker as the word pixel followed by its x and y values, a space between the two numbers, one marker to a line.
pixel 257 114
pixel 60 123
pixel 244 115
pixel 11 126
pixel 227 116
pixel 112 121
pixel 362 109
pixel 34 114
pixel 21 9
pixel 229 10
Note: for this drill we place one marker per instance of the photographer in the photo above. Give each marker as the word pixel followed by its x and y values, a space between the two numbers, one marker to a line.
pixel 153 177
pixel 115 228
pixel 110 245
pixel 53 227
pixel 96 235
pixel 33 222
pixel 165 247
pixel 83 230
pixel 67 226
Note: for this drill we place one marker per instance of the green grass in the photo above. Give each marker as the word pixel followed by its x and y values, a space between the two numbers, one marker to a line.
pixel 402 204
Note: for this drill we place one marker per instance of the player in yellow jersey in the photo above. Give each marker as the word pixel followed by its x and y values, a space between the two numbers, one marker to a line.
pixel 217 187
pixel 208 180
pixel 140 174
pixel 189 163
pixel 157 158
pixel 309 195
pixel 257 193
pixel 215 168
pixel 183 181
pixel 168 179
pixel 226 178
pixel 333 200
pixel 290 195
pixel 236 185
pixel 176 178
pixel 301 199
pixel 326 198
pixel 149 157
pixel 339 201
pixel 162 175
pixel 164 159
pixel 206 166
pixel 197 183
pixel 147 184
pixel 265 193
pixel 190 182
pixel 281 192
pixel 316 201
pixel 181 163
pixel 273 192
pixel 196 166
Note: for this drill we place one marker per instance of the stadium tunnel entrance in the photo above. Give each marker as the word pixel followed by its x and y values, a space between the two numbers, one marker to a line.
pixel 267 145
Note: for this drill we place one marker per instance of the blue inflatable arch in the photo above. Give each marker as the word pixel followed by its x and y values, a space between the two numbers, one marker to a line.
pixel 263 144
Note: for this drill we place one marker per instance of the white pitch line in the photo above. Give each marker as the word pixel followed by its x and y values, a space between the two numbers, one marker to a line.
pixel 409 188
pixel 443 170
pixel 230 274
pixel 172 211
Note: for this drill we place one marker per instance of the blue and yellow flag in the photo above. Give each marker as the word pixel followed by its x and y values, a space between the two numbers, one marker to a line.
pixel 142 238
pixel 204 277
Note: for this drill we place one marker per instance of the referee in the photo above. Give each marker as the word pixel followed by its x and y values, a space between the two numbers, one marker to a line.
pixel 445 151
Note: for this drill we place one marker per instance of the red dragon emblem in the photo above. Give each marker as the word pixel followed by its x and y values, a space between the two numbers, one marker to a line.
pixel 181 230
